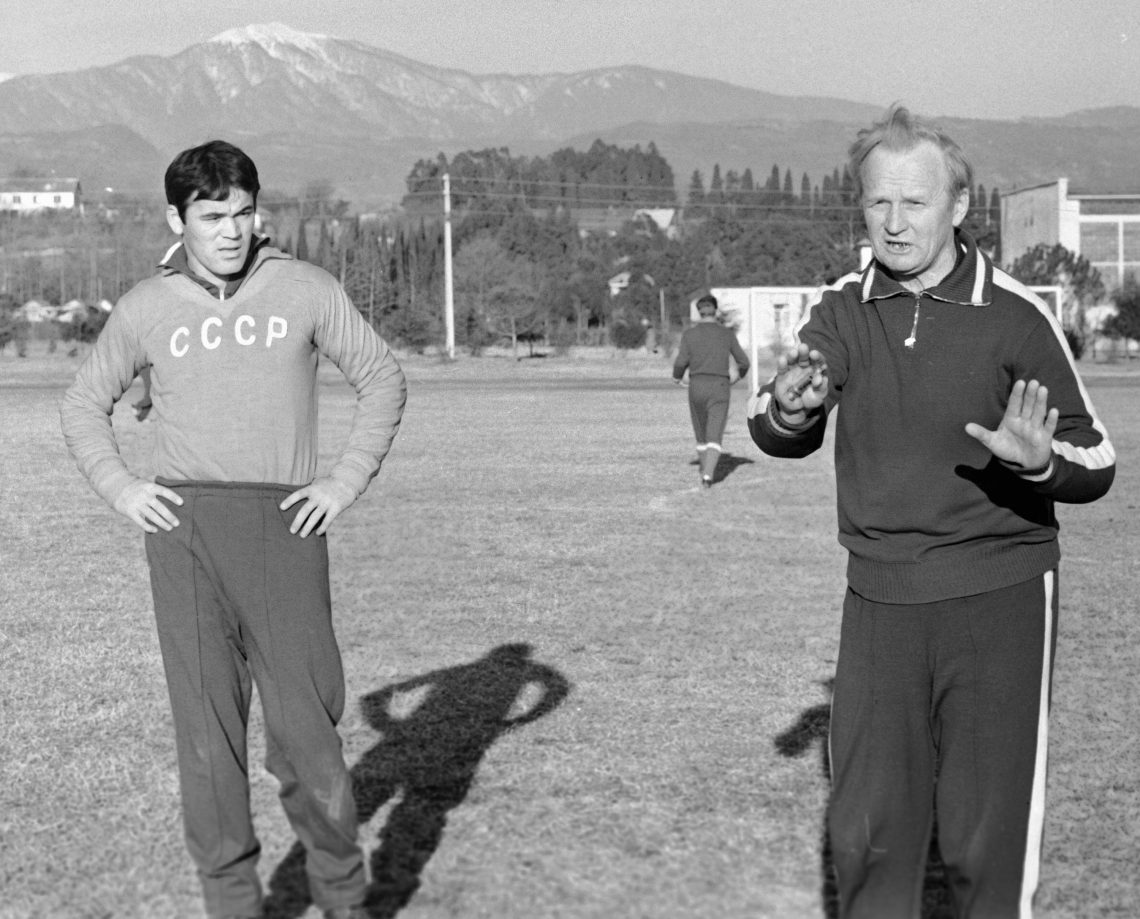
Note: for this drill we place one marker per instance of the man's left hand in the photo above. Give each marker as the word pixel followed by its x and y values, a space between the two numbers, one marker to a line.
pixel 1024 438
pixel 324 500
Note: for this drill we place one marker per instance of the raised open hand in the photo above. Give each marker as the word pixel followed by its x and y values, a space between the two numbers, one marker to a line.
pixel 1024 437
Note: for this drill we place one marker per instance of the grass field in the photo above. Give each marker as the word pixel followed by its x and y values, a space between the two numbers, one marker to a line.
pixel 579 686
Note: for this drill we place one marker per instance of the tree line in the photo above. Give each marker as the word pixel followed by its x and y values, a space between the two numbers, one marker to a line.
pixel 603 176
pixel 831 200
pixel 524 269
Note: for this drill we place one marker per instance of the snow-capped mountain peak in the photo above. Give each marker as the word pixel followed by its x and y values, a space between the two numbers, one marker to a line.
pixel 272 37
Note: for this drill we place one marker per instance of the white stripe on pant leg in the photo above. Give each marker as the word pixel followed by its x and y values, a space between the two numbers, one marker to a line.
pixel 714 446
pixel 1031 872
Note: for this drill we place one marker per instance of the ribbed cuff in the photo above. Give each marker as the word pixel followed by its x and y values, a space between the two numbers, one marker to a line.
pixel 781 425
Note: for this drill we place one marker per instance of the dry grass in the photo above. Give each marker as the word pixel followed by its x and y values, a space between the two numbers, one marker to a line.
pixel 666 755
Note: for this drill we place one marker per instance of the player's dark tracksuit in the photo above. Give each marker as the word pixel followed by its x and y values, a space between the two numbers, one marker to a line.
pixel 236 595
pixel 948 631
pixel 706 347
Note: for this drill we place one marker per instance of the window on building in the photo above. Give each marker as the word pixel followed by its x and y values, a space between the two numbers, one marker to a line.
pixel 1100 242
pixel 1129 206
pixel 1131 242
pixel 58 199
pixel 15 199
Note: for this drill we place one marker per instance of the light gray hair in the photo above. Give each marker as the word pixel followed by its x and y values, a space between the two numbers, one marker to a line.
pixel 899 129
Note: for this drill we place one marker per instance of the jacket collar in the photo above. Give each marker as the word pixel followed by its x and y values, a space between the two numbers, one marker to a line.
pixel 176 262
pixel 969 283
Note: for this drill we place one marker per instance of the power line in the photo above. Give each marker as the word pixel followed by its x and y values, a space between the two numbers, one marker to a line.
pixel 604 203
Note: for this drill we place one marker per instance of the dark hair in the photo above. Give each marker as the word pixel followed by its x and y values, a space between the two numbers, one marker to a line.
pixel 209 172
pixel 707 298
pixel 899 129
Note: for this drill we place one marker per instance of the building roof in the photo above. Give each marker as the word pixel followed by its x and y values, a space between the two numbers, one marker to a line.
pixel 1114 194
pixel 32 184
pixel 662 216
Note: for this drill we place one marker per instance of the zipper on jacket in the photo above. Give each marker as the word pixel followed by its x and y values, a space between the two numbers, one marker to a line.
pixel 910 342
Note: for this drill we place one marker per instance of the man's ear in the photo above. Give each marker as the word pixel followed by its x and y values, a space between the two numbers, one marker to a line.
pixel 961 206
pixel 173 220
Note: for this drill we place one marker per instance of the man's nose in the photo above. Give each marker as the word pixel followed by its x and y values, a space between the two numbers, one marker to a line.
pixel 896 219
pixel 230 227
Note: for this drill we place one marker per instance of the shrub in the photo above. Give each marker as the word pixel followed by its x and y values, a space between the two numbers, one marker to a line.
pixel 411 330
pixel 15 329
pixel 1076 340
pixel 563 337
pixel 627 335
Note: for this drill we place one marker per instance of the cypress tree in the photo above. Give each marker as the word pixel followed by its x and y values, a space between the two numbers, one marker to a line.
pixel 302 241
pixel 716 186
pixel 696 197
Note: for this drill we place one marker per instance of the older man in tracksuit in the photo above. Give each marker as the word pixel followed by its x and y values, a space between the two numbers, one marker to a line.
pixel 236 517
pixel 961 420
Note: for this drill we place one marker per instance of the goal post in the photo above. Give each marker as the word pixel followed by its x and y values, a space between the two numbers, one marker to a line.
pixel 1052 294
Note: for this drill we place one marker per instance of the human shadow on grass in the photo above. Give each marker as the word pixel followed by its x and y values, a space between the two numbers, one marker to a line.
pixel 726 465
pixel 425 762
pixel 811 729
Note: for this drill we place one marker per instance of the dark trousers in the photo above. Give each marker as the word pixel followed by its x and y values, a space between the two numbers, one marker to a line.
pixel 942 705
pixel 239 600
pixel 708 407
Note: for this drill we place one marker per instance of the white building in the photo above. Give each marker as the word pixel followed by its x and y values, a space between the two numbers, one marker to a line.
pixel 1103 228
pixel 26 196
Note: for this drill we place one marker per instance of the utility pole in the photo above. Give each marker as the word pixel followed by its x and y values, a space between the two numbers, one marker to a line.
pixel 448 281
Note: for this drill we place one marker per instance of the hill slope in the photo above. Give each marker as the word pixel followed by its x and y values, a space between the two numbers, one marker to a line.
pixel 315 107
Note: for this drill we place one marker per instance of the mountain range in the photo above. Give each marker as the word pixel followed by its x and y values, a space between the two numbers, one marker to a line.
pixel 317 108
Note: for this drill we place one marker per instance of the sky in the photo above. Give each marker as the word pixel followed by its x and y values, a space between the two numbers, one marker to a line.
pixel 962 58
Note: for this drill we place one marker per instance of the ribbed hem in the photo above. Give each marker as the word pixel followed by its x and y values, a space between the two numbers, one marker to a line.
pixel 232 489
pixel 952 574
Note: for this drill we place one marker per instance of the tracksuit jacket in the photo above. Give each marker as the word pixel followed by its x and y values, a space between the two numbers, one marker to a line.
pixel 925 511
pixel 234 380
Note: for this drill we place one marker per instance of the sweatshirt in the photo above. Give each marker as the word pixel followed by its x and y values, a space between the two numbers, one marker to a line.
pixel 925 511
pixel 705 349
pixel 234 378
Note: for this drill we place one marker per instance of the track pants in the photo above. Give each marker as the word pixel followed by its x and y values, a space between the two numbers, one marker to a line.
pixel 942 705
pixel 708 407
pixel 236 597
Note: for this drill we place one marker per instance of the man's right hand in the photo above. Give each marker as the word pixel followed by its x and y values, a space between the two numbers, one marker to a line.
pixel 143 504
pixel 801 383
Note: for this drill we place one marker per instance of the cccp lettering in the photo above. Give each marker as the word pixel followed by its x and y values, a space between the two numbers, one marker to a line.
pixel 244 332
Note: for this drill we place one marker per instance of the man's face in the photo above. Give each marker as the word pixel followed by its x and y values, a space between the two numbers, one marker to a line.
pixel 216 234
pixel 910 213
